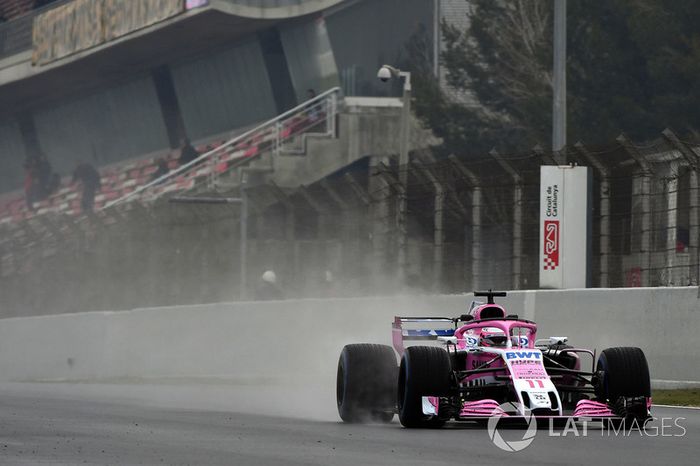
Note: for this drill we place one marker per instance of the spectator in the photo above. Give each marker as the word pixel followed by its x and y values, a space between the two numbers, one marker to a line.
pixel 267 288
pixel 312 108
pixel 187 152
pixel 90 178
pixel 162 169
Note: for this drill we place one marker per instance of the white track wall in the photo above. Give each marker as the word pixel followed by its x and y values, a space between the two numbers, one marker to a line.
pixel 304 338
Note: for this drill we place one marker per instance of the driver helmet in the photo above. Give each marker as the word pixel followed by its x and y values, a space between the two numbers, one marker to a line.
pixel 492 337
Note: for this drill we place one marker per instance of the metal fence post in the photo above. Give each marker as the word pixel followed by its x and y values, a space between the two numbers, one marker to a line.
pixel 604 194
pixel 517 237
pixel 671 229
pixel 644 193
pixel 473 182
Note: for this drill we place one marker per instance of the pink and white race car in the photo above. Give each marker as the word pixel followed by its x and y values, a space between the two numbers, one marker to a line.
pixel 488 364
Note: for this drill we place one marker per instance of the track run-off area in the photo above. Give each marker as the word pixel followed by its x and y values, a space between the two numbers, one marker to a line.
pixel 178 422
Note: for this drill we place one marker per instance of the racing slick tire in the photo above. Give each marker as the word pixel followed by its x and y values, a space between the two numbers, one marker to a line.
pixel 424 371
pixel 365 384
pixel 622 374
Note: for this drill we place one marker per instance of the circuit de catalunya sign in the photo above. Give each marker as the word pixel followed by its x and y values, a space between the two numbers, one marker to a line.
pixel 564 226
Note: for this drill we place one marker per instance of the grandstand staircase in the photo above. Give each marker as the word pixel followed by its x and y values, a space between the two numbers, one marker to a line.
pixel 272 152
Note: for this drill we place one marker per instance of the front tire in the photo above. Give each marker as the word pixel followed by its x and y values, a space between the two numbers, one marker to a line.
pixel 424 371
pixel 365 383
pixel 623 373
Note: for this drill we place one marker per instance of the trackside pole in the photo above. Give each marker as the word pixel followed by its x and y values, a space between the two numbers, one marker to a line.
pixel 559 71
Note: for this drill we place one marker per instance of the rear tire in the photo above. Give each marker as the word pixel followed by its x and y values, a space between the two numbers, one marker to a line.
pixel 424 371
pixel 365 383
pixel 623 373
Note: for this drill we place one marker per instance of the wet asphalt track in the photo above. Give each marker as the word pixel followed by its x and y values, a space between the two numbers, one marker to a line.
pixel 96 424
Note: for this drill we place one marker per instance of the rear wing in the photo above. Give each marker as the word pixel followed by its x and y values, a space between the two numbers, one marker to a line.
pixel 399 334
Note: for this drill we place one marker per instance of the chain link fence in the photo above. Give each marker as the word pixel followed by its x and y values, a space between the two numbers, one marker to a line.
pixel 473 222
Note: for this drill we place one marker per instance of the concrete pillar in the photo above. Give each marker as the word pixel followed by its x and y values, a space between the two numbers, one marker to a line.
pixel 169 105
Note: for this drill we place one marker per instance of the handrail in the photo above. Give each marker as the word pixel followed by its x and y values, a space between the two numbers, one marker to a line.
pixel 183 169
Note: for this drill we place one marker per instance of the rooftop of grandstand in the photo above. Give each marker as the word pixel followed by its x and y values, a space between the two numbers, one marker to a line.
pixel 33 75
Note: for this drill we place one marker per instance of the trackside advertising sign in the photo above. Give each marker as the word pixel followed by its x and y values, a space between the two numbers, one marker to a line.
pixel 563 226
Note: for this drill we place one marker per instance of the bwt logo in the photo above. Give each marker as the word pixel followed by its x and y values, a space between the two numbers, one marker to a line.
pixel 523 355
pixel 551 244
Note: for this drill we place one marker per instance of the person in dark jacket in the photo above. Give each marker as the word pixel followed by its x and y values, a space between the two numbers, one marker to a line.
pixel 90 179
pixel 187 152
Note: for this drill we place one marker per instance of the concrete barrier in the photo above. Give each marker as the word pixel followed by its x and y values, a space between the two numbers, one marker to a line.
pixel 304 337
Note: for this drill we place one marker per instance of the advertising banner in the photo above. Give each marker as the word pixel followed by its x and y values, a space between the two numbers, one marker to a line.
pixel 564 227
pixel 82 24
pixel 66 29
pixel 124 16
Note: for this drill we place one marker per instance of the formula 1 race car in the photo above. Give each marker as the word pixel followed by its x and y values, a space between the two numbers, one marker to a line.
pixel 489 363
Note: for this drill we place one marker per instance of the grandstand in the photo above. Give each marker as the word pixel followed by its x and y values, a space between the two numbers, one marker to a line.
pixel 118 86
pixel 125 182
